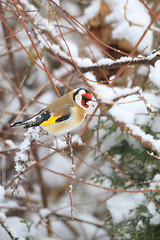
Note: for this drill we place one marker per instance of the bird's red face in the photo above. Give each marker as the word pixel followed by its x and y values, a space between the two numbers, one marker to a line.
pixel 83 98
pixel 86 100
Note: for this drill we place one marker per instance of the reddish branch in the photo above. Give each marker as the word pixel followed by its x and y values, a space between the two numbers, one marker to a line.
pixel 35 210
pixel 121 70
pixel 99 186
pixel 35 48
pixel 79 180
pixel 155 15
pixel 88 183
pixel 145 32
pixel 91 37
pixel 41 182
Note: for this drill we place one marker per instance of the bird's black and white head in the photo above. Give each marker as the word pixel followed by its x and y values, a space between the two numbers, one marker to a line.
pixel 83 98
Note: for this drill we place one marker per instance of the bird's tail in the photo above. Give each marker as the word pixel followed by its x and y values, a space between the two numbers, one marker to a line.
pixel 33 121
pixel 19 123
pixel 30 122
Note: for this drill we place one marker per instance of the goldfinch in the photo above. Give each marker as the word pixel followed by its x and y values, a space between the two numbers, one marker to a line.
pixel 63 115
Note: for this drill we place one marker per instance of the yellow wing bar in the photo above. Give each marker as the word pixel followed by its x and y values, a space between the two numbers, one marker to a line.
pixel 50 120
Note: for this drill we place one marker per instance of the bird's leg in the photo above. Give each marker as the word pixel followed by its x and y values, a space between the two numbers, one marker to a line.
pixel 69 138
pixel 69 142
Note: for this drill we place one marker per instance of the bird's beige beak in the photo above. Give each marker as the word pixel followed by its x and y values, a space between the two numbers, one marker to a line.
pixel 90 103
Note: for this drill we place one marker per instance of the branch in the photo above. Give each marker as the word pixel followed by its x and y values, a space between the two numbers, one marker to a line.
pixel 4 225
pixel 35 48
pixel 136 132
pixel 99 186
pixel 66 218
pixel 107 63
pixel 69 142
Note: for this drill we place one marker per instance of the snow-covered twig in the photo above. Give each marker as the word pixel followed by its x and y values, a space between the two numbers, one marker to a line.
pixel 69 142
pixel 107 63
pixel 136 132
pixel 4 225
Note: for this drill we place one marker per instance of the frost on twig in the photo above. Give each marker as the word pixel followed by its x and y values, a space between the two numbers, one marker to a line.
pixel 22 157
pixel 69 142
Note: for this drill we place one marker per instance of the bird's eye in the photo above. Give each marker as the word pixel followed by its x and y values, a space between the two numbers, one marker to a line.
pixel 84 98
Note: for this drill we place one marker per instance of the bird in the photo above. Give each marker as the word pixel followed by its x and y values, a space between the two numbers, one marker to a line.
pixel 63 115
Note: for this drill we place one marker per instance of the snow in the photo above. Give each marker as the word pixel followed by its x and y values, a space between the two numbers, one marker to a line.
pixel 22 156
pixel 25 230
pixel 127 105
pixel 128 110
pixel 2 192
pixel 90 12
pixel 137 14
pixel 60 164
pixel 155 73
pixel 90 76
pixel 156 182
pixel 71 8
pixel 57 2
pixel 155 215
pixel 143 70
pixel 122 115
pixel 95 50
pixel 83 62
pixel 93 9
pixel 32 134
pixel 44 212
pixel 86 62
pixel 73 49
pixel 107 94
pixel 60 72
pixel 88 229
pixel 19 228
pixel 76 139
pixel 127 114
pixel 121 204
pixel 107 61
pixel 11 143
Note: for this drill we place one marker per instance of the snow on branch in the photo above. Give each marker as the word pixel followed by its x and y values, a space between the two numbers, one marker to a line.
pixel 107 63
pixel 125 107
pixel 47 40
pixel 136 132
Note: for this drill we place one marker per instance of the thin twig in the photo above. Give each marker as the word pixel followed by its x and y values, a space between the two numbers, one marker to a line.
pixel 3 224
pixel 69 142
